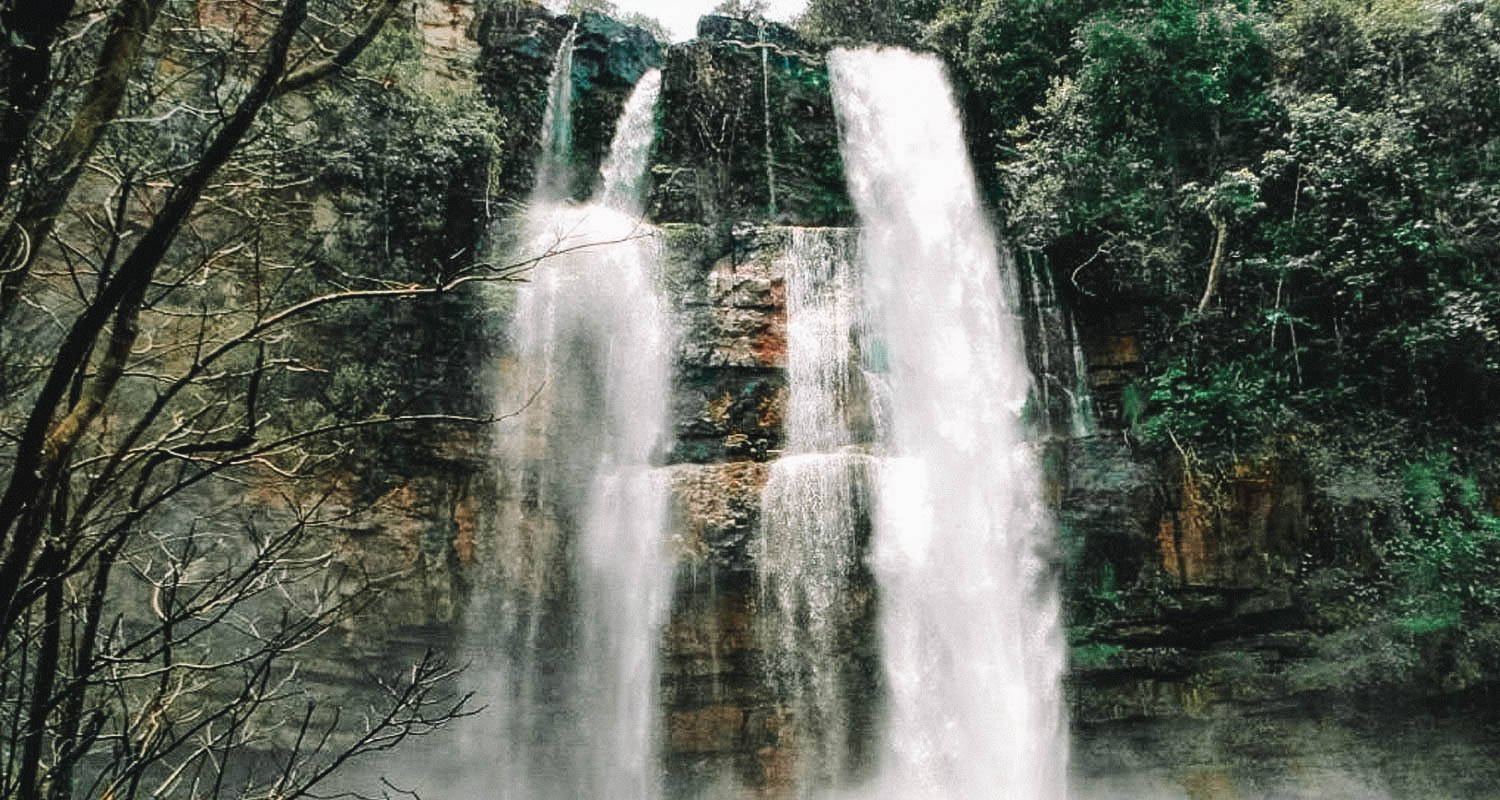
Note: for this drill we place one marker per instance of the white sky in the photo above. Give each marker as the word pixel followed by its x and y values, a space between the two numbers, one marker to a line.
pixel 681 16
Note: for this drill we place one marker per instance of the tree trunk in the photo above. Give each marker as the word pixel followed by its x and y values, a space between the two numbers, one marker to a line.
pixel 55 182
pixel 1216 265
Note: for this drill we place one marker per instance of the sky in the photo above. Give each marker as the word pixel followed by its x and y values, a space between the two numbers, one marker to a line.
pixel 681 16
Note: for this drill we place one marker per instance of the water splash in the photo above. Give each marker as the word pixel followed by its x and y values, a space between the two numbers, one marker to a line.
pixel 969 616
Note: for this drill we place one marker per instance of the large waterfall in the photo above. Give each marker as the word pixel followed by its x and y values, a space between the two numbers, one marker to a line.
pixel 970 629
pixel 586 574
pixel 904 507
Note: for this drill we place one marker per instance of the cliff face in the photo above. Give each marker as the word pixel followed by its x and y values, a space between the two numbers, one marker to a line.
pixel 748 132
pixel 1221 617
pixel 1217 615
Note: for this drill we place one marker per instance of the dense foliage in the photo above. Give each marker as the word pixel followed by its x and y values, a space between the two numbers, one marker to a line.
pixel 1343 152
pixel 410 169
pixel 1297 205
pixel 226 249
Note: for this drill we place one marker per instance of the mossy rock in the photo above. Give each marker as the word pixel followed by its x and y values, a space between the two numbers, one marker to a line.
pixel 722 156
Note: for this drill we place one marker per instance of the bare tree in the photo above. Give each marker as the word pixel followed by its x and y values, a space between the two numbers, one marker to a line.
pixel 151 622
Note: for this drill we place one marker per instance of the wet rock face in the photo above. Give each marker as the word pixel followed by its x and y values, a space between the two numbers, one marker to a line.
pixel 728 298
pixel 1181 586
pixel 518 45
pixel 748 131
pixel 730 304
pixel 727 723
pixel 1305 750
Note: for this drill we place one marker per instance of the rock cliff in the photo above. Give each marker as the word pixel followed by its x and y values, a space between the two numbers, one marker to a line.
pixel 1217 614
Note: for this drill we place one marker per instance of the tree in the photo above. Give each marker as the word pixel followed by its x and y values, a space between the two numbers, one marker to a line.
pixel 1312 171
pixel 156 267
pixel 899 22
pixel 743 9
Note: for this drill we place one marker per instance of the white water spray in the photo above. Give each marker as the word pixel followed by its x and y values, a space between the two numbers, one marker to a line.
pixel 813 505
pixel 576 704
pixel 969 618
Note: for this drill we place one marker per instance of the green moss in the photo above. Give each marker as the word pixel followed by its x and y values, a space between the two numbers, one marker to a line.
pixel 1093 655
pixel 1429 624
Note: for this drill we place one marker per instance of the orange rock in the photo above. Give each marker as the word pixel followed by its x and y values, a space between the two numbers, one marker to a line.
pixel 1194 553
pixel 1166 540
pixel 465 525
pixel 1208 784
pixel 1122 350
pixel 770 346
pixel 772 409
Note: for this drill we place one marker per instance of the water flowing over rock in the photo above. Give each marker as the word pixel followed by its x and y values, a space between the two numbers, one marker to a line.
pixel 552 180
pixel 815 509
pixel 969 617
pixel 576 619
pixel 1063 398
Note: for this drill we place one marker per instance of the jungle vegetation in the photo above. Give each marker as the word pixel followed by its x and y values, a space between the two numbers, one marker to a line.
pixel 1296 203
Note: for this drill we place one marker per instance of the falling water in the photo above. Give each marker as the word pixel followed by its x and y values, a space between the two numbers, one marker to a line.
pixel 1054 324
pixel 1044 309
pixel 814 504
pixel 576 703
pixel 553 167
pixel 765 102
pixel 821 303
pixel 624 171
pixel 969 617
pixel 1084 419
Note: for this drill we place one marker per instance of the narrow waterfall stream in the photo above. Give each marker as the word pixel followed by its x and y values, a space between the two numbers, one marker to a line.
pixel 575 702
pixel 765 97
pixel 813 505
pixel 970 627
pixel 555 159
pixel 1083 417
pixel 1064 398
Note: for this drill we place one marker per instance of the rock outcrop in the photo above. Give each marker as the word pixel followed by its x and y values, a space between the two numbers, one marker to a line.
pixel 518 44
pixel 748 131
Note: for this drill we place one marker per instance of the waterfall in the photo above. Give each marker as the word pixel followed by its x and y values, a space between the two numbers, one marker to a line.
pixel 623 175
pixel 820 297
pixel 584 560
pixel 970 629
pixel 554 163
pixel 765 102
pixel 1072 412
pixel 1043 309
pixel 813 505
pixel 1083 419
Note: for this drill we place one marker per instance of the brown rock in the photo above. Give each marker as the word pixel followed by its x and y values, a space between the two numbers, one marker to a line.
pixel 705 730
